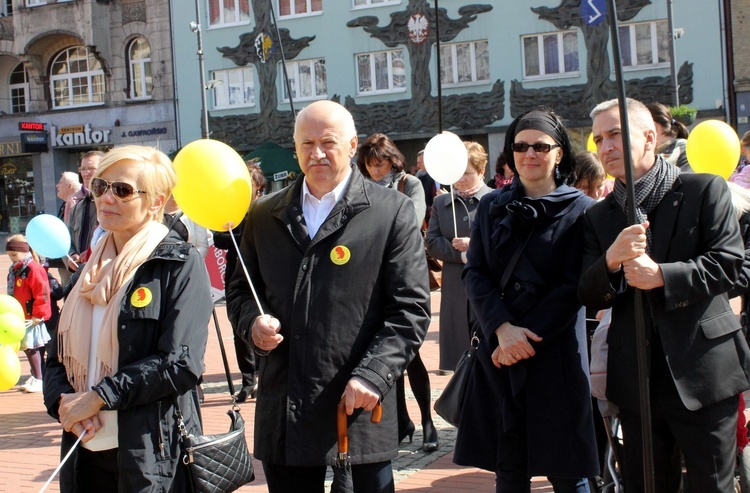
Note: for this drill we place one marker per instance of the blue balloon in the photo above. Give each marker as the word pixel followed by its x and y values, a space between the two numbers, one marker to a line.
pixel 48 236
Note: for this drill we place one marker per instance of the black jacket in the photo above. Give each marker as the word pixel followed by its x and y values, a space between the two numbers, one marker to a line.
pixel 161 358
pixel 353 301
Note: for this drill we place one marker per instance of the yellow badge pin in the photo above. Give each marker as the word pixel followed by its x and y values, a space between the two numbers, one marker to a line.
pixel 340 255
pixel 141 297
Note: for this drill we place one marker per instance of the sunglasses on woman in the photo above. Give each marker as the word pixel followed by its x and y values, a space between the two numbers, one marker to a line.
pixel 539 147
pixel 121 190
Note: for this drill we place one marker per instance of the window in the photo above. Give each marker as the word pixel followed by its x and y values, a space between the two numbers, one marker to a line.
pixel 76 79
pixel 550 55
pixel 644 45
pixel 34 3
pixel 140 81
pixel 374 3
pixel 228 12
pixel 233 88
pixel 19 89
pixel 307 79
pixel 383 71
pixel 464 63
pixel 291 8
pixel 6 8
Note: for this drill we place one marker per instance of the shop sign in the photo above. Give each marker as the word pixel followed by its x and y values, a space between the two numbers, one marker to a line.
pixel 145 132
pixel 79 136
pixel 281 175
pixel 31 126
pixel 10 148
pixel 34 142
pixel 7 169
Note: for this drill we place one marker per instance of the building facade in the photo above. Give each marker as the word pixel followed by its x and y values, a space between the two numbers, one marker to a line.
pixel 75 76
pixel 379 58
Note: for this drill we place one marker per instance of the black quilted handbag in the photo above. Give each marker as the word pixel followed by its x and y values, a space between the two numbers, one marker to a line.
pixel 218 463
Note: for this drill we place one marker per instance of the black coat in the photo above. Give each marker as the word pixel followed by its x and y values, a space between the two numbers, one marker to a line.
pixel 697 244
pixel 161 358
pixel 549 392
pixel 363 314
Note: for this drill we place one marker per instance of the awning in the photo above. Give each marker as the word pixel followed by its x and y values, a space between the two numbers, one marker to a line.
pixel 275 160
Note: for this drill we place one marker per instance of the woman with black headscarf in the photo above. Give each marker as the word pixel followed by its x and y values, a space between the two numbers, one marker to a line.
pixel 527 408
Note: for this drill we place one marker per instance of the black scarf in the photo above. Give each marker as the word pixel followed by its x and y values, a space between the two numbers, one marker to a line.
pixel 649 190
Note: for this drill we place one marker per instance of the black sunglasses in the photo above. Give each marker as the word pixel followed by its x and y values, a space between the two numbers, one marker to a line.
pixel 121 190
pixel 538 147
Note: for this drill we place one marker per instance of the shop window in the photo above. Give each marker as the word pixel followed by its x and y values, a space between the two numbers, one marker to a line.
pixel 644 45
pixel 293 8
pixel 228 12
pixel 551 55
pixel 233 88
pixel 139 64
pixel 464 63
pixel 19 89
pixel 381 72
pixel 307 79
pixel 76 79
pixel 17 193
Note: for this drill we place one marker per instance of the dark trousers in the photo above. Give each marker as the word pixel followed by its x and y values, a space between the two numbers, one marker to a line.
pixel 245 361
pixel 368 478
pixel 97 471
pixel 707 438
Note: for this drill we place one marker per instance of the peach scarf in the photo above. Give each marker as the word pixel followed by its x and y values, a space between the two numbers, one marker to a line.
pixel 104 281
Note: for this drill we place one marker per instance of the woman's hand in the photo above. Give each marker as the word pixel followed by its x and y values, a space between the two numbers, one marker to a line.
pixel 78 408
pixel 460 244
pixel 513 345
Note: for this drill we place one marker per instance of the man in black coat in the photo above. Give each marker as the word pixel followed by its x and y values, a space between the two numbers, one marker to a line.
pixel 339 268
pixel 684 255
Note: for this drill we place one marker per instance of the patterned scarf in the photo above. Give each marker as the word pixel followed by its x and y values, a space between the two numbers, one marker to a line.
pixel 649 190
pixel 387 181
pixel 104 281
pixel 15 271
pixel 469 193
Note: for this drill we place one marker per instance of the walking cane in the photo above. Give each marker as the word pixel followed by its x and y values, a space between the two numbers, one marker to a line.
pixel 223 354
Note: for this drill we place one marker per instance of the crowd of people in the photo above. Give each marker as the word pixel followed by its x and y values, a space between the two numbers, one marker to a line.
pixel 337 305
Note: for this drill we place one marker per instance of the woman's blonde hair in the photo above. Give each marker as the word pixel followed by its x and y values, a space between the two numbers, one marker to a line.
pixel 477 156
pixel 157 175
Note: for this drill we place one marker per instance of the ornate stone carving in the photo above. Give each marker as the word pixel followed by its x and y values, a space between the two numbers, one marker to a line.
pixel 575 102
pixel 413 28
pixel 133 12
pixel 6 28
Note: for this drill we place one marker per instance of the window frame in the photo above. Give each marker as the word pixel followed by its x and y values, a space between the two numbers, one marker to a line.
pixel 222 22
pixel 562 74
pixel 473 58
pixel 369 5
pixel 69 75
pixel 633 46
pixel 225 86
pixel 294 65
pixel 392 89
pixel 143 63
pixel 292 14
pixel 24 86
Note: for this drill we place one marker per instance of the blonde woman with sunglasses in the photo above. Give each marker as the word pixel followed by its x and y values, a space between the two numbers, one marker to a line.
pixel 131 338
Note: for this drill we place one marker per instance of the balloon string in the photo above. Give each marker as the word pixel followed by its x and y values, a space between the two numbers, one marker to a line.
pixel 71 260
pixel 62 463
pixel 244 269
pixel 453 204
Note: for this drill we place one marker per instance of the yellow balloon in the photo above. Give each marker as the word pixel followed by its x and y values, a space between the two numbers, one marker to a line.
pixel 9 304
pixel 10 368
pixel 590 145
pixel 12 328
pixel 213 184
pixel 713 147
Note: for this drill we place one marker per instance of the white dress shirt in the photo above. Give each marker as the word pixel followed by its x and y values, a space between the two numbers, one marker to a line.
pixel 316 211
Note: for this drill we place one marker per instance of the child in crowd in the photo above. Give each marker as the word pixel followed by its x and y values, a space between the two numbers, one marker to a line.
pixel 28 283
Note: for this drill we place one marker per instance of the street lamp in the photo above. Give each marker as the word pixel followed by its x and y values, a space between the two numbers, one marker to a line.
pixel 196 28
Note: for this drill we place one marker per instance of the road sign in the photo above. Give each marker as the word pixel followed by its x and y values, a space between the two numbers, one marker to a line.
pixel 593 12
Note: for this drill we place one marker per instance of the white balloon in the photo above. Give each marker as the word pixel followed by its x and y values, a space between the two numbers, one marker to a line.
pixel 445 158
